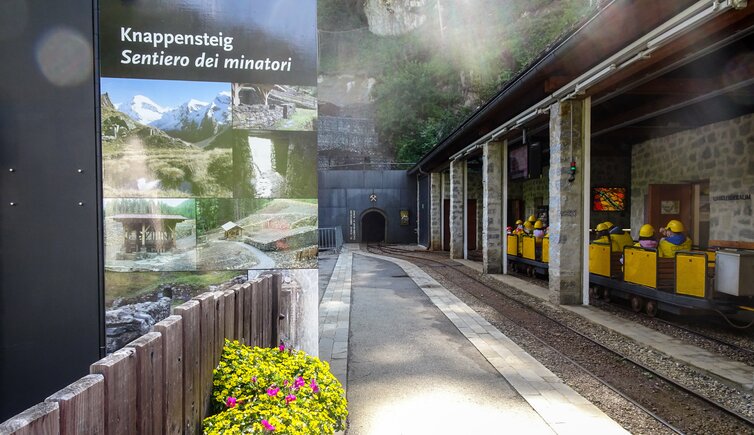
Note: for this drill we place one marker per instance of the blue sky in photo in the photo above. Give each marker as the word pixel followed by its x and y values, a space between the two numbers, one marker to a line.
pixel 167 93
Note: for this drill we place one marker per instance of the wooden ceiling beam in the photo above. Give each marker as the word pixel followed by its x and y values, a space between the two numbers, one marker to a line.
pixel 659 106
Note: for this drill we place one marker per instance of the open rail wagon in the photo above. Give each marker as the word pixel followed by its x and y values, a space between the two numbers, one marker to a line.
pixel 691 283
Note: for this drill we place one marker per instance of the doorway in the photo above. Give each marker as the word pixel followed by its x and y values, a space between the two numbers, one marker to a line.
pixel 670 201
pixel 373 227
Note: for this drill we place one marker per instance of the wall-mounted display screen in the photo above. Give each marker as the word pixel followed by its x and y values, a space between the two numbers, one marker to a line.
pixel 518 163
pixel 609 199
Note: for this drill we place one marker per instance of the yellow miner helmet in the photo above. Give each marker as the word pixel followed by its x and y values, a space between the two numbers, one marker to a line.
pixel 532 219
pixel 519 221
pixel 601 227
pixel 608 225
pixel 527 225
pixel 675 226
pixel 538 224
pixel 646 230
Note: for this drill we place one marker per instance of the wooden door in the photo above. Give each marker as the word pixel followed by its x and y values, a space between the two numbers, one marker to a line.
pixel 669 201
pixel 446 225
pixel 471 228
pixel 515 211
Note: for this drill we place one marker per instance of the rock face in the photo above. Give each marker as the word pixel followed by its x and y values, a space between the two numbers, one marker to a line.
pixel 394 17
pixel 129 322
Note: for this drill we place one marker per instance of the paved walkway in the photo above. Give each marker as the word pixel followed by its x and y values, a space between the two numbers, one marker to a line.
pixel 732 372
pixel 422 362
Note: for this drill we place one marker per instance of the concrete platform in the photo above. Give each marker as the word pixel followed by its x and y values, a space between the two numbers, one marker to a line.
pixel 734 373
pixel 419 360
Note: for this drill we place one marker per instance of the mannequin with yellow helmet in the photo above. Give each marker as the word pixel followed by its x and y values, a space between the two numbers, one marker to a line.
pixel 600 233
pixel 646 237
pixel 528 227
pixel 618 238
pixel 675 240
pixel 539 230
pixel 519 227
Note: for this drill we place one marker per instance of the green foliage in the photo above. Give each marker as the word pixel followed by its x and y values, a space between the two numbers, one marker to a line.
pixel 170 177
pixel 134 284
pixel 430 79
pixel 286 391
pixel 430 133
pixel 214 212
pixel 413 94
pixel 149 206
pixel 339 14
pixel 220 168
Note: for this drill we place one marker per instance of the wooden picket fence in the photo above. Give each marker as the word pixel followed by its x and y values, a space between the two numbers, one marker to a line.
pixel 161 383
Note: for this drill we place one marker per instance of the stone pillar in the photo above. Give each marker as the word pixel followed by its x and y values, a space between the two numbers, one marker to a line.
pixel 457 205
pixel 492 226
pixel 566 202
pixel 435 211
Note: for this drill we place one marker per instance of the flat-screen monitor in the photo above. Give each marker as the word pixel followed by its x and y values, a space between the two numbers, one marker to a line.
pixel 518 163
pixel 609 199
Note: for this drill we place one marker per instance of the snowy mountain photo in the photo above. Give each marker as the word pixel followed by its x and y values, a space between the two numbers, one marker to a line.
pixel 192 111
pixel 164 138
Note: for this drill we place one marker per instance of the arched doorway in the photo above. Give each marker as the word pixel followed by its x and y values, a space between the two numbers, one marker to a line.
pixel 373 226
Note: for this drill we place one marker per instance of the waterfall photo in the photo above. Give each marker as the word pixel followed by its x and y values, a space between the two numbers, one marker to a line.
pixel 274 164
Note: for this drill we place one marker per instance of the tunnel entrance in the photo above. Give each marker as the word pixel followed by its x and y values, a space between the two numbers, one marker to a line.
pixel 373 227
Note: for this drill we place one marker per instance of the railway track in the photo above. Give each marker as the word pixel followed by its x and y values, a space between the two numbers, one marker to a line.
pixel 678 408
pixel 714 339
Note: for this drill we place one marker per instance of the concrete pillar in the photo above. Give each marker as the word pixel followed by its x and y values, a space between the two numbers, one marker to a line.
pixel 457 207
pixel 435 212
pixel 492 213
pixel 567 135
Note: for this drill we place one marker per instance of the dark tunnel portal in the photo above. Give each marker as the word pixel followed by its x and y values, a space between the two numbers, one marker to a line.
pixel 373 227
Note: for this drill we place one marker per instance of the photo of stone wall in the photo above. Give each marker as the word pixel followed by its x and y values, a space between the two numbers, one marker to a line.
pixel 150 234
pixel 137 300
pixel 256 233
pixel 274 107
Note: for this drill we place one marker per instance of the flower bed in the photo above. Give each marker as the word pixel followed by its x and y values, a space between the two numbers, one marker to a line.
pixel 274 390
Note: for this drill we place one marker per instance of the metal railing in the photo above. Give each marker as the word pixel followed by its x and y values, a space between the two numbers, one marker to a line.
pixel 330 239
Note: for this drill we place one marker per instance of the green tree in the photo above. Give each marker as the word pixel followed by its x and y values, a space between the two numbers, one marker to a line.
pixel 414 93
pixel 220 168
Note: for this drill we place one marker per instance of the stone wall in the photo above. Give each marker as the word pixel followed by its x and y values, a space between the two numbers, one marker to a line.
pixel 394 17
pixel 474 191
pixel 722 153
pixel 256 116
pixel 348 141
pixel 435 190
pixel 566 202
pixel 535 192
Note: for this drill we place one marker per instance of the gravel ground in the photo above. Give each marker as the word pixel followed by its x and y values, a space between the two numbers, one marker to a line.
pixel 705 326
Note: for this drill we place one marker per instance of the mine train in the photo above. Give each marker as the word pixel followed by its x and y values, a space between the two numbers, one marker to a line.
pixel 693 283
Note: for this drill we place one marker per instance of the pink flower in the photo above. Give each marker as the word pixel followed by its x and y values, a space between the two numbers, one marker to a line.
pixel 253 379
pixel 299 382
pixel 268 426
pixel 273 391
pixel 230 402
pixel 281 347
pixel 315 387
pixel 290 398
pixel 285 383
